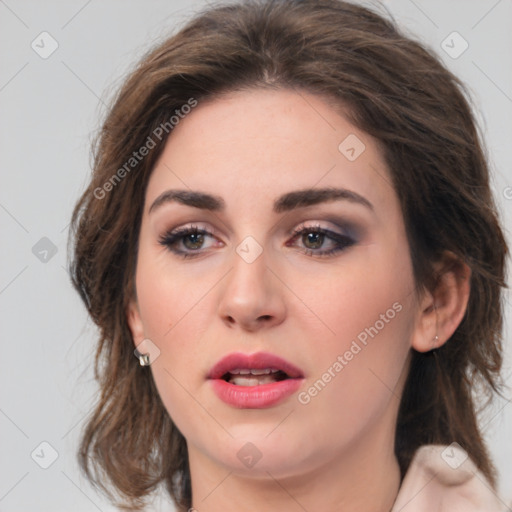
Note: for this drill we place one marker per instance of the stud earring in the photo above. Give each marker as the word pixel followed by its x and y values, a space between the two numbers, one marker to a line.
pixel 144 359
pixel 436 337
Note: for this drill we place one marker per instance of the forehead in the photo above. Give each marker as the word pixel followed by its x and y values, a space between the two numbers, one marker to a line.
pixel 258 144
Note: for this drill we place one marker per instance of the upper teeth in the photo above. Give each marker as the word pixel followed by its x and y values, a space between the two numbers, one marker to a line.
pixel 253 371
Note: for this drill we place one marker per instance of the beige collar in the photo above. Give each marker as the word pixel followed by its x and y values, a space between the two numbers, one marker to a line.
pixel 445 479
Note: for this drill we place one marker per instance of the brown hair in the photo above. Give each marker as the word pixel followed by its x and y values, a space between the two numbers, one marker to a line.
pixel 392 88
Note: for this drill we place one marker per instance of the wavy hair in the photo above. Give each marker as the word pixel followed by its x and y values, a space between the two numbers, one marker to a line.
pixel 389 86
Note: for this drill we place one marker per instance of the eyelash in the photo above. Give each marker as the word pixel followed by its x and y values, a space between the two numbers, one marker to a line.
pixel 170 239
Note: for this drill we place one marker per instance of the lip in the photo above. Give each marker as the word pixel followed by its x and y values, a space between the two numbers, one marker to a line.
pixel 254 397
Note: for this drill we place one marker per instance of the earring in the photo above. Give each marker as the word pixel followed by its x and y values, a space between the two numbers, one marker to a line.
pixel 433 350
pixel 436 337
pixel 144 359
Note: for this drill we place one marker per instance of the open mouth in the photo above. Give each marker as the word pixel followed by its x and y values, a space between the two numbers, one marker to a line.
pixel 254 381
pixel 254 369
pixel 254 376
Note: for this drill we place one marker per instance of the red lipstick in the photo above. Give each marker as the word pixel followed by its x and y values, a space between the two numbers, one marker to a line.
pixel 254 381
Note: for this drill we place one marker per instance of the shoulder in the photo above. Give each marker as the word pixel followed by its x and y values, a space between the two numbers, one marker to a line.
pixel 445 479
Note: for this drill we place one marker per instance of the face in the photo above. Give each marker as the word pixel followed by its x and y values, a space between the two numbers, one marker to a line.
pixel 311 290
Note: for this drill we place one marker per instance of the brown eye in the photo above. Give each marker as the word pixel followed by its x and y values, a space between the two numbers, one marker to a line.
pixel 195 239
pixel 186 242
pixel 314 238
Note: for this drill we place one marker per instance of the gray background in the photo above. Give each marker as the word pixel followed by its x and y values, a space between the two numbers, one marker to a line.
pixel 50 108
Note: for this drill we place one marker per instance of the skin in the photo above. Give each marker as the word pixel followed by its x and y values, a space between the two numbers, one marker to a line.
pixel 249 148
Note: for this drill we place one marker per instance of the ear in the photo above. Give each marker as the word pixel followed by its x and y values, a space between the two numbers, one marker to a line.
pixel 135 322
pixel 441 310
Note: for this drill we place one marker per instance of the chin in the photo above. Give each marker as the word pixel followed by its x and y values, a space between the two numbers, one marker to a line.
pixel 255 453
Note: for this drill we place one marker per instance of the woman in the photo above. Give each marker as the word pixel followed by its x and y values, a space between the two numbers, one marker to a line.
pixel 290 221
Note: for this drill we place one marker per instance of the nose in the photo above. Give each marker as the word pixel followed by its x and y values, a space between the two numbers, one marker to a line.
pixel 252 295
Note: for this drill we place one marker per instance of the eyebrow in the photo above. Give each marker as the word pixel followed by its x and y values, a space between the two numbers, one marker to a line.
pixel 285 203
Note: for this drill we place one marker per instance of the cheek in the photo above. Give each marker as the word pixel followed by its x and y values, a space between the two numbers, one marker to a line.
pixel 369 311
pixel 168 305
pixel 171 299
pixel 358 299
pixel 175 310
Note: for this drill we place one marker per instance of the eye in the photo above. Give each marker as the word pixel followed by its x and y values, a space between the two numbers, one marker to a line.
pixel 182 240
pixel 189 242
pixel 314 238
